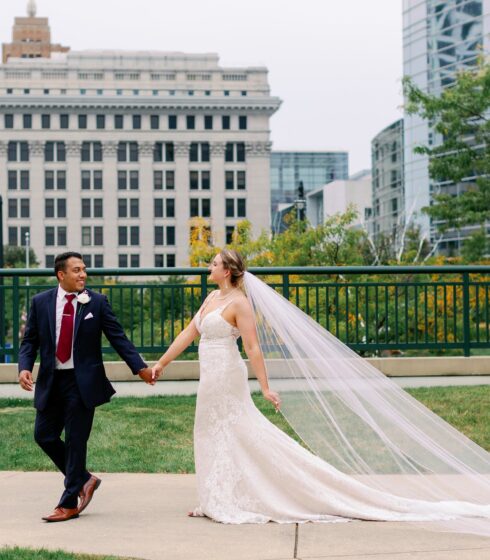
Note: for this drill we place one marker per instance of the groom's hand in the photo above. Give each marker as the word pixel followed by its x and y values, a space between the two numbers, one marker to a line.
pixel 25 380
pixel 146 375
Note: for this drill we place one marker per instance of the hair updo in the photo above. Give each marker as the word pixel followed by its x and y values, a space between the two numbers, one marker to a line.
pixel 233 261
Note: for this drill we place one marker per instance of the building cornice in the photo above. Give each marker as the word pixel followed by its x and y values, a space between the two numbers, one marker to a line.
pixel 268 105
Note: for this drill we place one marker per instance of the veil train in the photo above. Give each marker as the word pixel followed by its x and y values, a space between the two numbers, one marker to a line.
pixel 352 416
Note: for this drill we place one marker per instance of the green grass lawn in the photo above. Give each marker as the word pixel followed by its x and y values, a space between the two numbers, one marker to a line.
pixel 43 554
pixel 155 434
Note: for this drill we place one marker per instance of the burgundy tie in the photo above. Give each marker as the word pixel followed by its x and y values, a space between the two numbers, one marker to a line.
pixel 63 352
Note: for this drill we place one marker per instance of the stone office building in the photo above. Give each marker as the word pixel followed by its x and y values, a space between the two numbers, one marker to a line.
pixel 114 152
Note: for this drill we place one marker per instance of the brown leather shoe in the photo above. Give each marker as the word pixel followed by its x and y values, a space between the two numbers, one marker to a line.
pixel 62 514
pixel 87 492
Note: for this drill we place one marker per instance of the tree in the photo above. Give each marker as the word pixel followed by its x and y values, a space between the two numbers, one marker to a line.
pixel 332 243
pixel 15 257
pixel 460 116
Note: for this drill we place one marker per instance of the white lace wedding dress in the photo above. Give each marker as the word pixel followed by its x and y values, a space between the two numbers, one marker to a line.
pixel 249 471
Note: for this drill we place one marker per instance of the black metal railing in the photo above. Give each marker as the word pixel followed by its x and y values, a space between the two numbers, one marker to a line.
pixel 372 309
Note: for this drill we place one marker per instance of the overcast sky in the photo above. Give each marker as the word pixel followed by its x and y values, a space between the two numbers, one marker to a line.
pixel 336 64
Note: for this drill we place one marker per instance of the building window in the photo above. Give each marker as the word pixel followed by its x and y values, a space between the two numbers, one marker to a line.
pixel 160 176
pixel 18 151
pixel 235 180
pixel 199 151
pixel 128 208
pixel 91 179
pixel 230 230
pixel 127 151
pixel 208 122
pixel 9 121
pixel 154 122
pixel 92 208
pixel 136 122
pixel 18 180
pixel 119 122
pixel 82 121
pixel 123 261
pixel 55 207
pixel 17 235
pixel 64 121
pixel 45 121
pixel 161 259
pixel 163 152
pixel 128 179
pixel 242 122
pixel 199 180
pixel 54 180
pixel 235 151
pixel 27 121
pixel 128 235
pixel 225 122
pixel 236 208
pixel 164 235
pixel 55 235
pixel 200 207
pixel 54 151
pixel 172 122
pixel 190 122
pixel 92 235
pixel 18 208
pixel 164 208
pixel 100 121
pixel 92 151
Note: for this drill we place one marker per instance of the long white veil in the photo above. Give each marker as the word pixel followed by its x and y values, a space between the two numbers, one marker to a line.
pixel 362 423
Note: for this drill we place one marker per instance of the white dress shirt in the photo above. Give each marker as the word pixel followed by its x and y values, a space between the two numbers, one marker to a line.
pixel 60 304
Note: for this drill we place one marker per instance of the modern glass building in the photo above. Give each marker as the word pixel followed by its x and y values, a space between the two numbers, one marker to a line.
pixel 314 169
pixel 440 37
pixel 387 181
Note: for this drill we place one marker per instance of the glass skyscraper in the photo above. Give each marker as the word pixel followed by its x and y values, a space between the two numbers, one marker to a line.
pixel 314 169
pixel 440 37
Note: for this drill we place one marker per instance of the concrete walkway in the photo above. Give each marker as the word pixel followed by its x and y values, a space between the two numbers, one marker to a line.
pixel 143 516
pixel 140 389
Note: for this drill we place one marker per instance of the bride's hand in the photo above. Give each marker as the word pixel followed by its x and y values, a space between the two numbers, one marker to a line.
pixel 156 371
pixel 274 398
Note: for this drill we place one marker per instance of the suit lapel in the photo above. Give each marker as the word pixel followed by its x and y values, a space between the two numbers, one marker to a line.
pixel 52 313
pixel 82 310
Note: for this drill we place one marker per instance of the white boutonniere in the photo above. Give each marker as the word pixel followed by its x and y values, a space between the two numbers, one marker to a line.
pixel 83 299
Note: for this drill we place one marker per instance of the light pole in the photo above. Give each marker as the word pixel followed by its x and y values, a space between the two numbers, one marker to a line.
pixel 27 239
pixel 300 203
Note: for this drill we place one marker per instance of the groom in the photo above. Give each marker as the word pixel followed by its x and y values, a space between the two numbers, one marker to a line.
pixel 66 324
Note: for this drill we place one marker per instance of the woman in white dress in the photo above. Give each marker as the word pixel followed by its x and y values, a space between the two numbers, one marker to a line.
pixel 249 471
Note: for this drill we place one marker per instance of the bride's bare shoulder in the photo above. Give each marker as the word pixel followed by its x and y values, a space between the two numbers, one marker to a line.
pixel 241 302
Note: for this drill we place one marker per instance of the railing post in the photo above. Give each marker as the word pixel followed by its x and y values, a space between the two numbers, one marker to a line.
pixel 15 318
pixel 285 285
pixel 2 321
pixel 204 286
pixel 466 314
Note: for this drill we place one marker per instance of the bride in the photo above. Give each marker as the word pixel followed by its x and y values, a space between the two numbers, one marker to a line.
pixel 378 453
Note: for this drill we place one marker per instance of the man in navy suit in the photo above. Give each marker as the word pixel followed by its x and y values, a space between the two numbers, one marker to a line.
pixel 66 324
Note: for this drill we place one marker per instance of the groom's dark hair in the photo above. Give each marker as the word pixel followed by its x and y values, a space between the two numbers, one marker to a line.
pixel 60 261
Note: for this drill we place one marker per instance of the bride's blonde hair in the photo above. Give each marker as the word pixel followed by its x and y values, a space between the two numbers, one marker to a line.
pixel 234 262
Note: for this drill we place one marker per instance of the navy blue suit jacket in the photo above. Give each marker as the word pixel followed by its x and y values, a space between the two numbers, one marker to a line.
pixel 40 334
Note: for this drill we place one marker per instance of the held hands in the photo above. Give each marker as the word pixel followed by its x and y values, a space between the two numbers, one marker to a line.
pixel 273 397
pixel 146 376
pixel 156 370
pixel 25 380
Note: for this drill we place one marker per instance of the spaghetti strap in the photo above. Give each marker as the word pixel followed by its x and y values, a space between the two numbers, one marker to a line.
pixel 223 307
